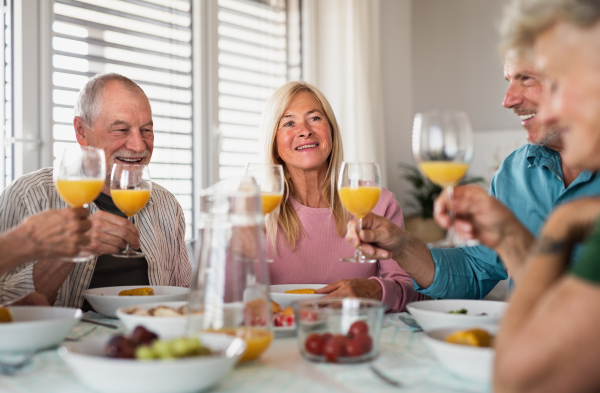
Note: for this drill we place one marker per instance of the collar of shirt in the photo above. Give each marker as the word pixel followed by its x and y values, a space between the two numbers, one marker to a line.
pixel 550 159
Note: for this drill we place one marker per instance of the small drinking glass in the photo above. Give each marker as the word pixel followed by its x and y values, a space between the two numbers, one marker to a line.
pixel 130 188
pixel 359 186
pixel 442 144
pixel 79 174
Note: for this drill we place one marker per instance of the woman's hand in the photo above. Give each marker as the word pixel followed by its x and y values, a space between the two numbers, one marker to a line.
pixel 53 233
pixel 355 287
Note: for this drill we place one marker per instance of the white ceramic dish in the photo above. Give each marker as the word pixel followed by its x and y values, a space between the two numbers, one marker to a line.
pixel 468 362
pixel 106 300
pixel 35 328
pixel 103 374
pixel 433 314
pixel 163 326
pixel 278 294
pixel 284 331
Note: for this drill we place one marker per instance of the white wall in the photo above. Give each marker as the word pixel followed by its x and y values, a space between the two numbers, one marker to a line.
pixel 396 71
pixel 442 54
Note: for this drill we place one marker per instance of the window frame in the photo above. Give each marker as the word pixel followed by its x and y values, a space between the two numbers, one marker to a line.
pixel 32 91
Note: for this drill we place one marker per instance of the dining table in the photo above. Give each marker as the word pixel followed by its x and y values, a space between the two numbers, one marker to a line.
pixel 404 358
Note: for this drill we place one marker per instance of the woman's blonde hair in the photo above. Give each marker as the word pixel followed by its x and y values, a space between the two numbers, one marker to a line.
pixel 285 215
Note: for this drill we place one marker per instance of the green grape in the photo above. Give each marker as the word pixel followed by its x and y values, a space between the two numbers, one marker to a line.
pixel 162 349
pixel 179 347
pixel 144 352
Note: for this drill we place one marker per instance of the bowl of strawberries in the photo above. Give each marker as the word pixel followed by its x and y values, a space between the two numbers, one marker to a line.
pixel 339 330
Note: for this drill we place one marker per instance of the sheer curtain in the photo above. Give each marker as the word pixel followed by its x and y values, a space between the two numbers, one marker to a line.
pixel 341 55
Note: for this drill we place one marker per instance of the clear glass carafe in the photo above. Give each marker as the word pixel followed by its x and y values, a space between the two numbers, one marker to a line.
pixel 230 285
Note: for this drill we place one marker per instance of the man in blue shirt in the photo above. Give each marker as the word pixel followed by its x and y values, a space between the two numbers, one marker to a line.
pixel 531 182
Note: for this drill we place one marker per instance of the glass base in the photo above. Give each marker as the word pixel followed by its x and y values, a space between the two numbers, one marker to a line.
pixel 129 254
pixel 82 257
pixel 452 240
pixel 358 259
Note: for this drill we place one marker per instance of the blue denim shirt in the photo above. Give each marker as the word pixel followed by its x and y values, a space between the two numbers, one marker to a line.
pixel 530 183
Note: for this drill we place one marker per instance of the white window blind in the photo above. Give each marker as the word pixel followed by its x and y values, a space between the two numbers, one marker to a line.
pixel 6 163
pixel 252 64
pixel 148 41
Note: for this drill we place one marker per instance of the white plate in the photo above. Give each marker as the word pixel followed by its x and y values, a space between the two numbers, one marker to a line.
pixel 433 314
pixel 86 359
pixel 36 328
pixel 284 299
pixel 284 331
pixel 106 300
pixel 466 361
pixel 162 326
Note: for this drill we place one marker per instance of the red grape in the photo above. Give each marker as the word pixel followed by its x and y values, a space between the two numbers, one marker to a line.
pixel 358 328
pixel 366 341
pixel 333 349
pixel 314 344
pixel 143 336
pixel 120 347
pixel 354 348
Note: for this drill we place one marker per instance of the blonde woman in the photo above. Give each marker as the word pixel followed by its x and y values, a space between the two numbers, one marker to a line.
pixel 305 235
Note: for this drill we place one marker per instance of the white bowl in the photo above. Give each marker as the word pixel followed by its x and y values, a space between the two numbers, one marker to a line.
pixel 433 314
pixel 475 363
pixel 284 299
pixel 162 326
pixel 35 328
pixel 106 300
pixel 87 360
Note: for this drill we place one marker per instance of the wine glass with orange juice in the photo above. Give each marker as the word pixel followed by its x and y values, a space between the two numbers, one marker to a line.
pixel 269 178
pixel 359 187
pixel 443 148
pixel 130 188
pixel 79 175
pixel 230 285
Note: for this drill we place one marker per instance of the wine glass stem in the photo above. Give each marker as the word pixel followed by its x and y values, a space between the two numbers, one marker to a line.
pixel 451 215
pixel 358 253
pixel 128 248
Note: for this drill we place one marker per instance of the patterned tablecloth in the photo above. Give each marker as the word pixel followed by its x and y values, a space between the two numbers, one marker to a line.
pixel 403 357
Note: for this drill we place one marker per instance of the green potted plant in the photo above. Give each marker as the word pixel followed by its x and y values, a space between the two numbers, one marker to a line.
pixel 424 194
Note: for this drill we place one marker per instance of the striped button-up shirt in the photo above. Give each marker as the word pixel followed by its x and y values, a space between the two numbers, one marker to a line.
pixel 161 224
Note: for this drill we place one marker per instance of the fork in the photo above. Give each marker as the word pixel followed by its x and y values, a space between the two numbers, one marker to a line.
pixel 81 335
pixel 385 378
pixel 10 368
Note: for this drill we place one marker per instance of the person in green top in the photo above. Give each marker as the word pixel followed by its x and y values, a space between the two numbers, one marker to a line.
pixel 548 340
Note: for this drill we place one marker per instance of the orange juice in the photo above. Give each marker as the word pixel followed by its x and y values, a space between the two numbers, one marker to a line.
pixel 444 173
pixel 361 200
pixel 258 340
pixel 79 192
pixel 130 201
pixel 270 201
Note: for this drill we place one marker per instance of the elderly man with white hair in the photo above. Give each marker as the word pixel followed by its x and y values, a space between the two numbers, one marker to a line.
pixel 112 113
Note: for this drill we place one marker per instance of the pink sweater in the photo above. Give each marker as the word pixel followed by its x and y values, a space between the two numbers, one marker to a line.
pixel 317 254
